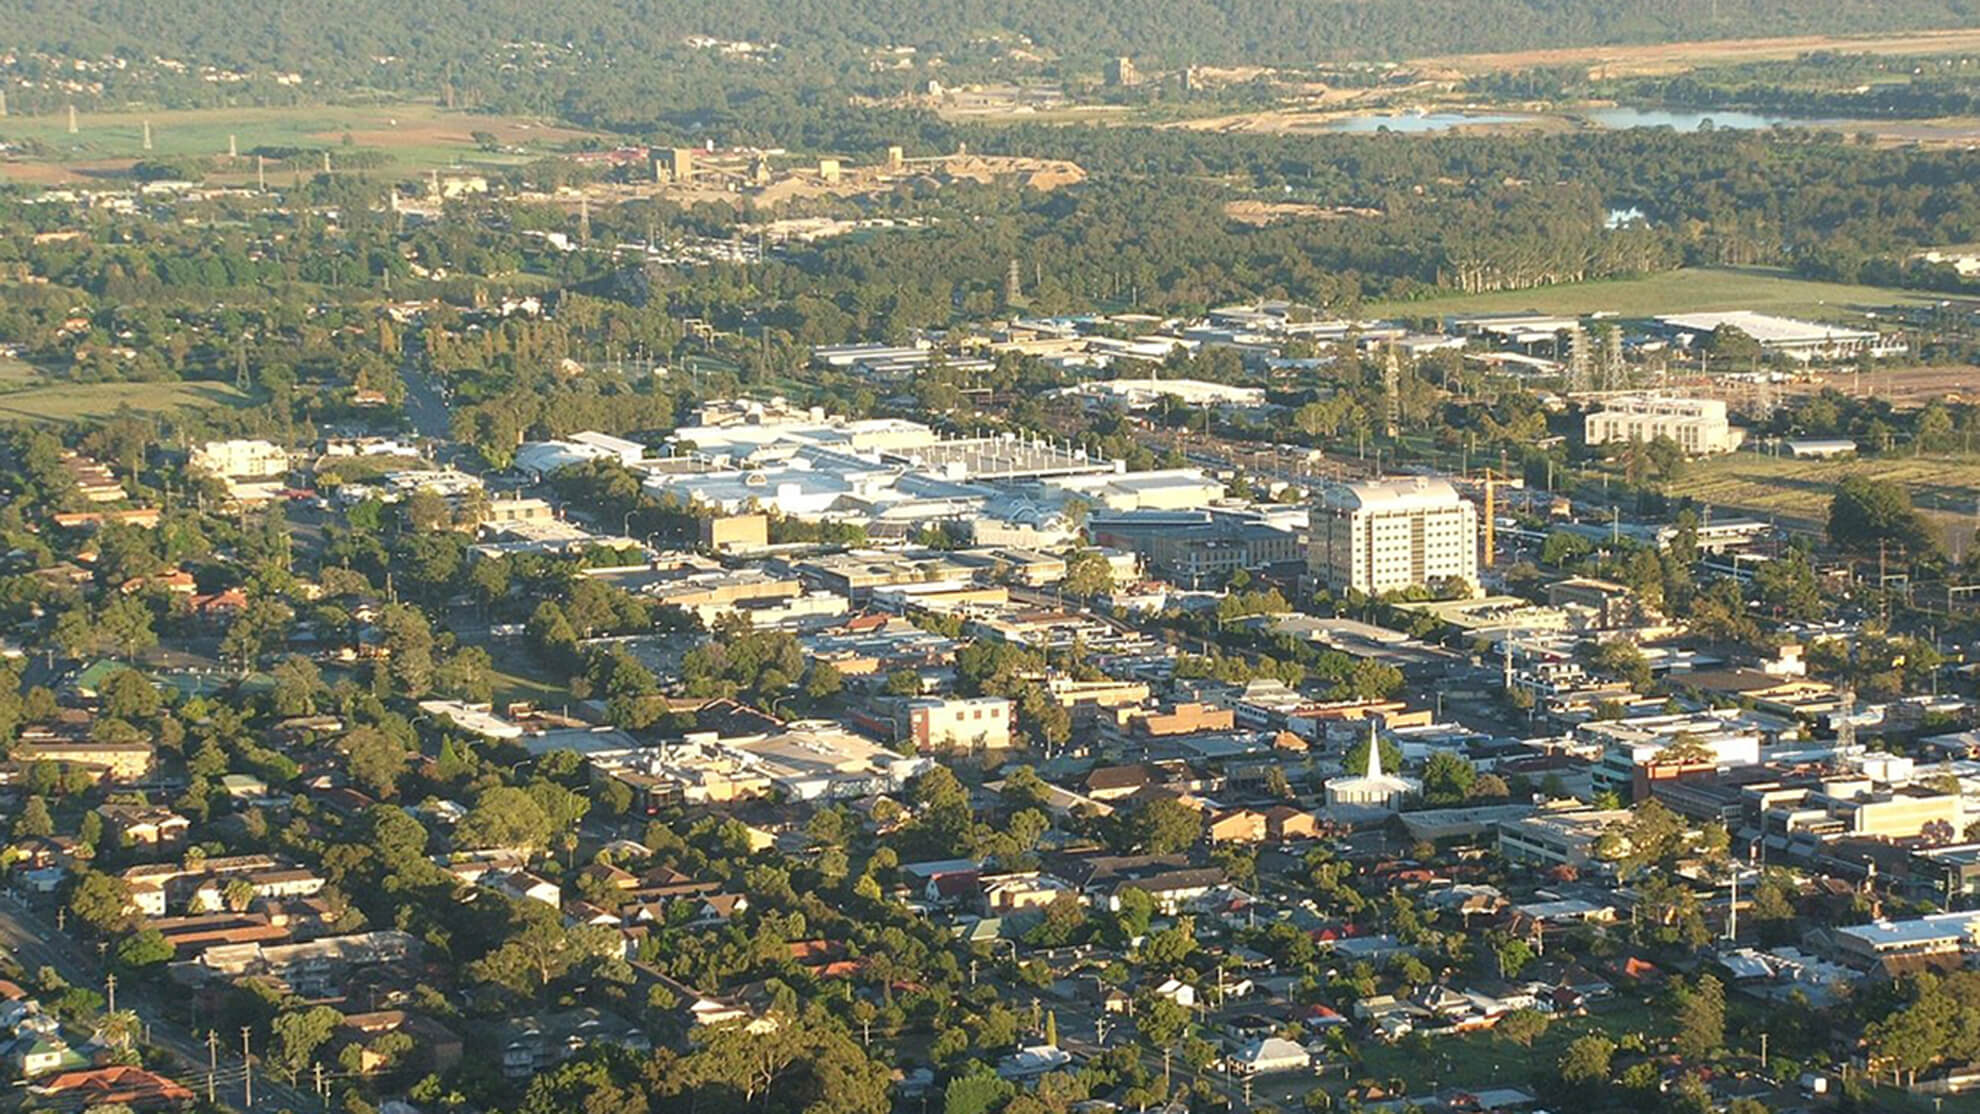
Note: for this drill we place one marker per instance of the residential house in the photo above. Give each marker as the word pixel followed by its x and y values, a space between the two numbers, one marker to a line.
pixel 534 1043
pixel 1004 894
pixel 139 825
pixel 435 1047
pixel 111 1086
pixel 1241 825
pixel 1269 1056
pixel 1284 822
pixel 39 1054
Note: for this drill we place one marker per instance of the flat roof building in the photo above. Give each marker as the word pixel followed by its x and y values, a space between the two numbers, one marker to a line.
pixel 1558 838
pixel 1389 535
pixel 1797 340
pixel 1696 425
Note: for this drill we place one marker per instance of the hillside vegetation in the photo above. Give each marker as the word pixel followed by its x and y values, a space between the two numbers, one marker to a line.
pixel 347 36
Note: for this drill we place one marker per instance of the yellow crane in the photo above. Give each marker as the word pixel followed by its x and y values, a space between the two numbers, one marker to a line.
pixel 1491 478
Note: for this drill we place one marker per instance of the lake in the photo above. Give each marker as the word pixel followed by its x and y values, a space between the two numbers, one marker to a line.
pixel 1409 122
pixel 1687 120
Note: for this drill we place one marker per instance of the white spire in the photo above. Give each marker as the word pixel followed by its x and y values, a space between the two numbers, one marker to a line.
pixel 1374 753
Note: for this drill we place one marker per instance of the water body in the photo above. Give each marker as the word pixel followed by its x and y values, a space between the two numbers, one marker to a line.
pixel 1688 120
pixel 1411 123
pixel 1684 120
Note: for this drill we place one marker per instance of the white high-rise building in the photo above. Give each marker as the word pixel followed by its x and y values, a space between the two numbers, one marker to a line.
pixel 1388 535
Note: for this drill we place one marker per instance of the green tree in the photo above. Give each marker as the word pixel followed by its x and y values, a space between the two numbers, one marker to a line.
pixel 1701 1018
pixel 1165 826
pixel 1585 1062
pixel 504 816
pixel 1866 515
pixel 298 1034
pixel 34 819
pixel 147 948
pixel 375 760
pixel 1522 1027
pixel 1447 778
pixel 1088 573
pixel 101 901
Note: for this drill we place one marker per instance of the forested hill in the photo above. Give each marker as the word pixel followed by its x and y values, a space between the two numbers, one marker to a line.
pixel 342 38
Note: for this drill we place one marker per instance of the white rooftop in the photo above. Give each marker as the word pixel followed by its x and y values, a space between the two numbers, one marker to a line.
pixel 1765 327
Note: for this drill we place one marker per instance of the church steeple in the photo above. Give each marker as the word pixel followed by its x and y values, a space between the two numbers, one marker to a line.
pixel 1374 753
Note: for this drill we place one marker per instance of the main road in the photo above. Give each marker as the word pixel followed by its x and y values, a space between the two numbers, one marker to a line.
pixel 36 944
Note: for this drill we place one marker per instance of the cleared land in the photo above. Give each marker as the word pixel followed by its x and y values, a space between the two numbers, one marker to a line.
pixel 26 395
pixel 413 137
pixel 1945 487
pixel 1688 290
pixel 1664 58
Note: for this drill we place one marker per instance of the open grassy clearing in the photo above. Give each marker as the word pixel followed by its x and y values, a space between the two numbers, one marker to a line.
pixel 1946 488
pixel 26 395
pixel 1687 290
pixel 1662 58
pixel 414 137
pixel 514 685
pixel 1481 1060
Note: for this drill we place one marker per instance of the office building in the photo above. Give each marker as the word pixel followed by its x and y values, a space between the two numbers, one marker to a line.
pixel 1388 535
pixel 1696 425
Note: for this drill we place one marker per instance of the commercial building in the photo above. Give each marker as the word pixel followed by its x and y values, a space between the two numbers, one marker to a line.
pixel 1941 934
pixel 735 531
pixel 1696 425
pixel 1189 545
pixel 1856 806
pixel 1797 340
pixel 1630 748
pixel 972 723
pixel 111 761
pixel 240 459
pixel 1558 838
pixel 1145 394
pixel 804 761
pixel 1388 535
pixel 1950 873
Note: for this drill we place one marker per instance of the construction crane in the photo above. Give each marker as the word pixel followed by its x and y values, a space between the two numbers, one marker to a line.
pixel 1489 480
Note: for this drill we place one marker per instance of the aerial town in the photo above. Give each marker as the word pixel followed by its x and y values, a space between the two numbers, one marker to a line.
pixel 520 594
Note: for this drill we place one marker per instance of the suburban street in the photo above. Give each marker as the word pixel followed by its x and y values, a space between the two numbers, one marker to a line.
pixel 36 944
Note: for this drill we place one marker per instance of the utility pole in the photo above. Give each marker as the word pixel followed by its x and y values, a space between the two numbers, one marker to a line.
pixel 110 990
pixel 247 1068
pixel 212 1063
pixel 321 1092
pixel 1732 907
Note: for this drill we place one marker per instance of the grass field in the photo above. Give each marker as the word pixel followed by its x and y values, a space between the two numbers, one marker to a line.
pixel 513 686
pixel 414 136
pixel 1688 290
pixel 26 395
pixel 1945 487
pixel 1662 58
pixel 1480 1060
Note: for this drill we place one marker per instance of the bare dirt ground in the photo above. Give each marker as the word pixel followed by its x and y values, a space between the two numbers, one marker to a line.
pixel 1663 58
pixel 1261 213
pixel 1903 388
